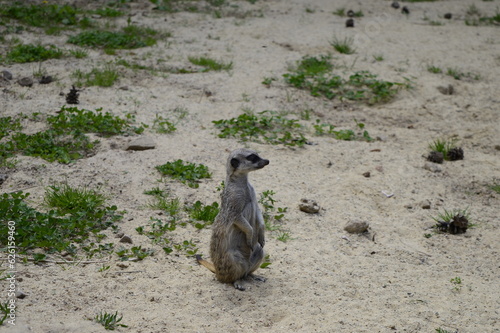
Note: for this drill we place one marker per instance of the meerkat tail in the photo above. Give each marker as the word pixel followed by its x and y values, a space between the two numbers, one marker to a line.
pixel 205 263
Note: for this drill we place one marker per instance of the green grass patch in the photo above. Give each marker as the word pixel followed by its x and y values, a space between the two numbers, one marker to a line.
pixel 265 126
pixel 41 15
pixel 74 120
pixel 23 53
pixel 188 173
pixel 59 229
pixel 102 77
pixel 209 64
pixel 316 75
pixel 65 140
pixel 131 37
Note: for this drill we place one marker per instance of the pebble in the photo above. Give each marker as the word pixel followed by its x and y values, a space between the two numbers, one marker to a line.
pixel 433 167
pixel 405 10
pixel 25 81
pixel 395 5
pixel 425 204
pixel 126 239
pixel 356 227
pixel 46 79
pixel 142 143
pixel 7 75
pixel 20 294
pixel 309 206
pixel 435 157
pixel 349 23
pixel 448 16
pixel 367 174
pixel 449 90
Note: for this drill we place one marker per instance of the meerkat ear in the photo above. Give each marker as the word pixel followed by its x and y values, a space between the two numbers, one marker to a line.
pixel 235 163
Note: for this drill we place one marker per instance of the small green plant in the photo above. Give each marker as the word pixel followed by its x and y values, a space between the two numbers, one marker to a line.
pixel 109 321
pixel 340 12
pixel 187 173
pixel 163 202
pixel 102 77
pixel 448 215
pixel 103 269
pixel 162 126
pixel 434 69
pixel 188 247
pixel 343 46
pixel 267 125
pixel 446 147
pixel 378 57
pixel 200 212
pixel 457 283
pixel 5 311
pixel 23 53
pixel 8 125
pixel 156 230
pixel 495 187
pixel 210 64
pixel 267 262
pixel 348 135
pixel 440 330
pixel 78 53
pixel 273 215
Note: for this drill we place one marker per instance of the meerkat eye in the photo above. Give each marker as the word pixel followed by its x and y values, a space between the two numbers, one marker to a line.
pixel 235 163
pixel 253 158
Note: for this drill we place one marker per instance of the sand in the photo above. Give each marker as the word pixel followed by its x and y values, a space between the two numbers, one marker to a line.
pixel 390 279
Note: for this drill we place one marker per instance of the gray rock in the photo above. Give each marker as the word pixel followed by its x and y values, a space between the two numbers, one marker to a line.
pixel 7 75
pixel 433 167
pixel 449 90
pixel 126 239
pixel 426 204
pixel 3 178
pixel 356 227
pixel 25 81
pixel 142 143
pixel 20 294
pixel 309 206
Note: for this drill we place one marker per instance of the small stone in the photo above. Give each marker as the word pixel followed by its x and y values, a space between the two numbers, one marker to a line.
pixel 433 167
pixel 349 23
pixel 126 239
pixel 356 227
pixel 3 178
pixel 350 13
pixel 395 5
pixel 46 79
pixel 123 265
pixel 367 174
pixel 455 154
pixel 309 206
pixel 25 81
pixel 7 75
pixel 20 294
pixel 119 235
pixel 426 204
pixel 405 10
pixel 448 16
pixel 123 88
pixel 142 143
pixel 435 157
pixel 449 90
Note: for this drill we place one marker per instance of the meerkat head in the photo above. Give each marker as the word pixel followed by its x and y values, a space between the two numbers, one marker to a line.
pixel 242 161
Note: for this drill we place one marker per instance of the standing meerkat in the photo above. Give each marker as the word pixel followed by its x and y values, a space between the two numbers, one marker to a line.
pixel 236 247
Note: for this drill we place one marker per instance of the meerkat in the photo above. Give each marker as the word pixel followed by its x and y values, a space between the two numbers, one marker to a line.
pixel 237 242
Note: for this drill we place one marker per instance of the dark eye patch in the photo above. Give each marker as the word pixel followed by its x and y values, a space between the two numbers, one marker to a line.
pixel 253 158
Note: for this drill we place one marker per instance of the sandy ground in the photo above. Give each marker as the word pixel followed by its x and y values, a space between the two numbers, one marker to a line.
pixel 392 279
